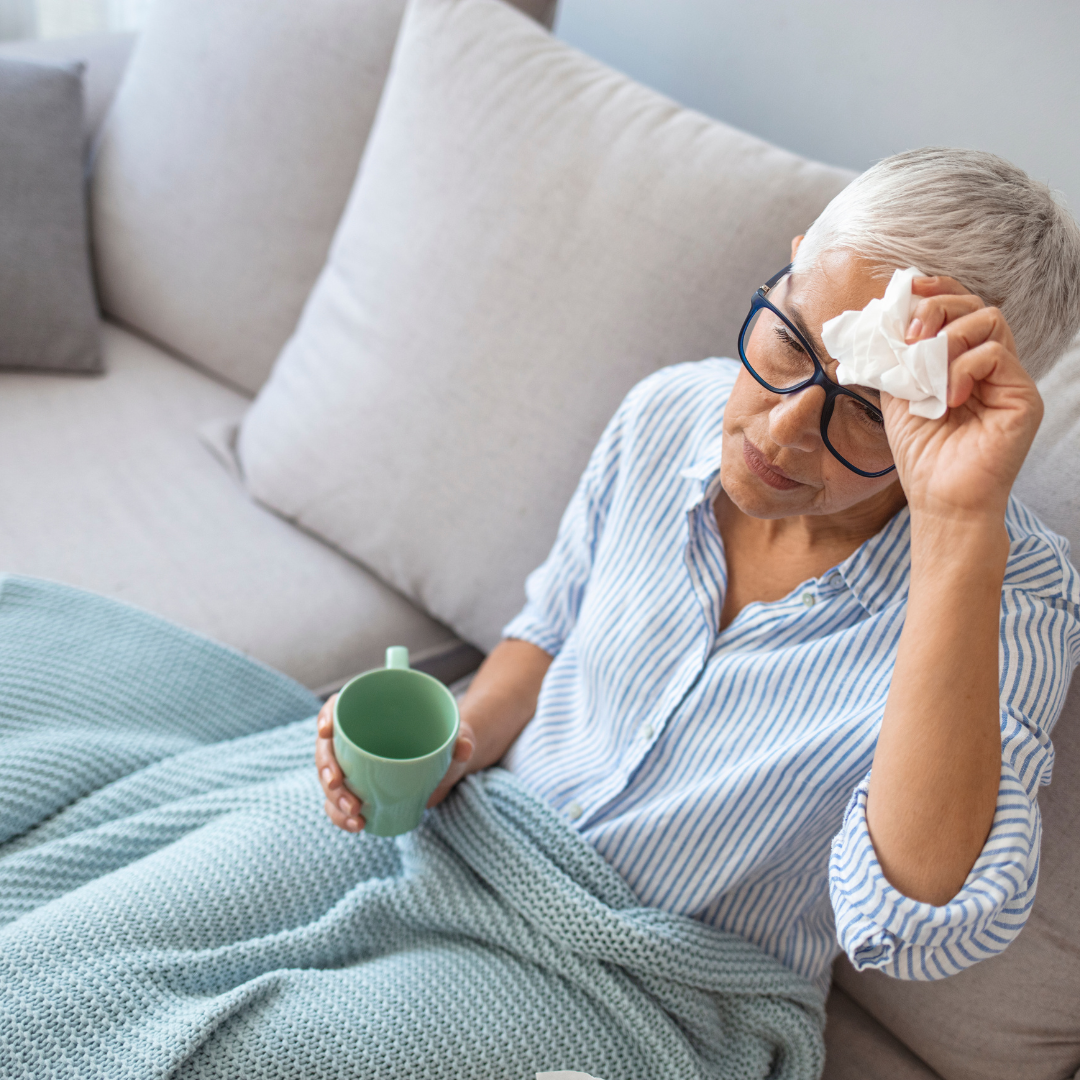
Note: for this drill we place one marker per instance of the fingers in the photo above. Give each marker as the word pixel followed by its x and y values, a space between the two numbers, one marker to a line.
pixel 325 720
pixel 937 286
pixel 332 780
pixel 969 331
pixel 342 806
pixel 330 774
pixel 463 748
pixel 993 366
pixel 931 314
pixel 459 765
pixel 349 823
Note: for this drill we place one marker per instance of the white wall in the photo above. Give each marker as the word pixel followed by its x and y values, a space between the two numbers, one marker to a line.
pixel 67 18
pixel 850 81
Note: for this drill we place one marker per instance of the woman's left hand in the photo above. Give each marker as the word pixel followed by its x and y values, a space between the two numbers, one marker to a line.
pixel 963 465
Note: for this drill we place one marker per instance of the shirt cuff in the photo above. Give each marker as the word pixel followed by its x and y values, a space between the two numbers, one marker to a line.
pixel 878 927
pixel 528 626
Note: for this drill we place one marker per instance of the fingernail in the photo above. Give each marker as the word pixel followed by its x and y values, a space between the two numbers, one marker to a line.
pixel 352 824
pixel 327 776
pixel 915 329
pixel 344 804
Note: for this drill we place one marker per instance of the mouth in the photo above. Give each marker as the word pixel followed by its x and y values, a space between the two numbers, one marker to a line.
pixel 760 466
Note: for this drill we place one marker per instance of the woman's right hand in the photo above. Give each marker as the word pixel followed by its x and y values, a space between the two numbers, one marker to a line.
pixel 342 806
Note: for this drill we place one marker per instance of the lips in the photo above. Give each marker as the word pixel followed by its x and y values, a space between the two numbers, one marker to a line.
pixel 759 465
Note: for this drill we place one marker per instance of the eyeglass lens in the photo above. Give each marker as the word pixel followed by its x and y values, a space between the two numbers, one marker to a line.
pixel 778 358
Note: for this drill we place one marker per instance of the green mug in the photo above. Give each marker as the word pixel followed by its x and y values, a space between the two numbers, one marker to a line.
pixel 394 734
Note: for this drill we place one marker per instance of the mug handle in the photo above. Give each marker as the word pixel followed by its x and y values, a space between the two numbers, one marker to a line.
pixel 397 656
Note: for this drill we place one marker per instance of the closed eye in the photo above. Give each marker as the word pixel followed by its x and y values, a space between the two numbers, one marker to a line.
pixel 868 413
pixel 789 341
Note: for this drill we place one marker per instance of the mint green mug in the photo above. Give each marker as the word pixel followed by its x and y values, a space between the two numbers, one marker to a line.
pixel 394 734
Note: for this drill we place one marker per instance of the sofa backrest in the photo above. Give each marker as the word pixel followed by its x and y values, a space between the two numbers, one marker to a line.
pixel 224 165
pixel 1016 1015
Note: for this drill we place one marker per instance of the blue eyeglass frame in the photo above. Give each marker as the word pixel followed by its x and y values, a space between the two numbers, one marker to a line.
pixel 819 378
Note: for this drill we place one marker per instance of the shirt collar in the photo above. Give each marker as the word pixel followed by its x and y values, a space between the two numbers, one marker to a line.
pixel 876 573
pixel 703 474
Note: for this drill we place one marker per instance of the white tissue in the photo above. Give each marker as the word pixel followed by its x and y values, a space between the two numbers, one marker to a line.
pixel 564 1075
pixel 872 352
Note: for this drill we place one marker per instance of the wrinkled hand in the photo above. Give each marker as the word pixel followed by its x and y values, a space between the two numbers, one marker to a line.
pixel 342 806
pixel 963 464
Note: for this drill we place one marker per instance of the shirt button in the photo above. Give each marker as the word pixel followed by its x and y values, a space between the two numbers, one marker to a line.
pixel 574 810
pixel 809 599
pixel 647 730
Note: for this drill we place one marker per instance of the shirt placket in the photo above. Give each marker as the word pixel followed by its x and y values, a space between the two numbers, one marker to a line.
pixel 709 594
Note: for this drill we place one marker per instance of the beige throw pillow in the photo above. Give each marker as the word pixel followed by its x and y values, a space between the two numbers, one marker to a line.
pixel 530 234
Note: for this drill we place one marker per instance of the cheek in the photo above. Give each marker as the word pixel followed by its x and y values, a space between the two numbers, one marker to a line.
pixel 844 489
pixel 747 402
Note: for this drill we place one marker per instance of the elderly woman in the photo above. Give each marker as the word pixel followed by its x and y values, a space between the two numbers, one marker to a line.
pixel 773 597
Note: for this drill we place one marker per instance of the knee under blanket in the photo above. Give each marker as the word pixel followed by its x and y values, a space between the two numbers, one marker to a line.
pixel 174 904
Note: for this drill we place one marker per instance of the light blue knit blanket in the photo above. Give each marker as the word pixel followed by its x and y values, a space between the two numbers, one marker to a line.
pixel 173 903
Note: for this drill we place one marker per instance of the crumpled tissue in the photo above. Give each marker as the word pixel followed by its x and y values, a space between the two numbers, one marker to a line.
pixel 872 352
pixel 564 1075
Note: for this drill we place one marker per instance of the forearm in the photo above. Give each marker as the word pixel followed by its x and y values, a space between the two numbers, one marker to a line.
pixel 502 699
pixel 934 783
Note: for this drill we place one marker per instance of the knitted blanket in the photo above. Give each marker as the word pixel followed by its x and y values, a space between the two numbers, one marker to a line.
pixel 173 903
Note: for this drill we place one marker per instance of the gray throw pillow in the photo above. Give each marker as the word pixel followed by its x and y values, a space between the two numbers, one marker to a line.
pixel 48 315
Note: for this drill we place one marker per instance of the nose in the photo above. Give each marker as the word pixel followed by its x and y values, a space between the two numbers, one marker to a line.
pixel 795 420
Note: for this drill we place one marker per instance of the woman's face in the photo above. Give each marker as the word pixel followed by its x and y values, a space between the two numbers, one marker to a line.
pixel 774 461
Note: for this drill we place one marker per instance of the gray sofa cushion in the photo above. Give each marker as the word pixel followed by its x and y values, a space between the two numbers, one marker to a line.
pixel 114 492
pixel 48 316
pixel 1016 1015
pixel 530 234
pixel 857 1047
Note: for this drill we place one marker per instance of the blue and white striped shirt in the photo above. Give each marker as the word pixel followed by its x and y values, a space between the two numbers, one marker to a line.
pixel 712 770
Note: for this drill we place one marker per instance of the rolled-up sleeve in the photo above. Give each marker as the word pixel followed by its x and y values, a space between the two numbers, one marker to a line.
pixel 877 926
pixel 554 590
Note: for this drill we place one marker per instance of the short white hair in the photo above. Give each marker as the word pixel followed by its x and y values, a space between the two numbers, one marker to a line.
pixel 974 217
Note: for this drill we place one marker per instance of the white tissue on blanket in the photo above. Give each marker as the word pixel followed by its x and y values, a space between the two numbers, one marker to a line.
pixel 564 1075
pixel 872 352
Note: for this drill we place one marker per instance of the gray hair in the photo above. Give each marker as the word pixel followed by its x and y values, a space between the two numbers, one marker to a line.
pixel 974 217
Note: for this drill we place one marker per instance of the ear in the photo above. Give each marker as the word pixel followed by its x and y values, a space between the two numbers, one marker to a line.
pixel 796 241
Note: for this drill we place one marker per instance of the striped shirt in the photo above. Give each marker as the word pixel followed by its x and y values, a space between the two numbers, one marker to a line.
pixel 724 774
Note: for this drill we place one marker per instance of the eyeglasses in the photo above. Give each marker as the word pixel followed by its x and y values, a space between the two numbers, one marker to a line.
pixel 784 362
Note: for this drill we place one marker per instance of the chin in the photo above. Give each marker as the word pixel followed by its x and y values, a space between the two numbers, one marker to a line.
pixel 755 498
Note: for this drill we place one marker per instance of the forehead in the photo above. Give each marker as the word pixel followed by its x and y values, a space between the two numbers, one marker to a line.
pixel 841 281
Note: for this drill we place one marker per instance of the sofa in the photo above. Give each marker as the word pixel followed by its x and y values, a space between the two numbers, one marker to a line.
pixel 372 276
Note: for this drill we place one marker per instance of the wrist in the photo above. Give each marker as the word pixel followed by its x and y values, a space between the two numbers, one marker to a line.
pixel 958 548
